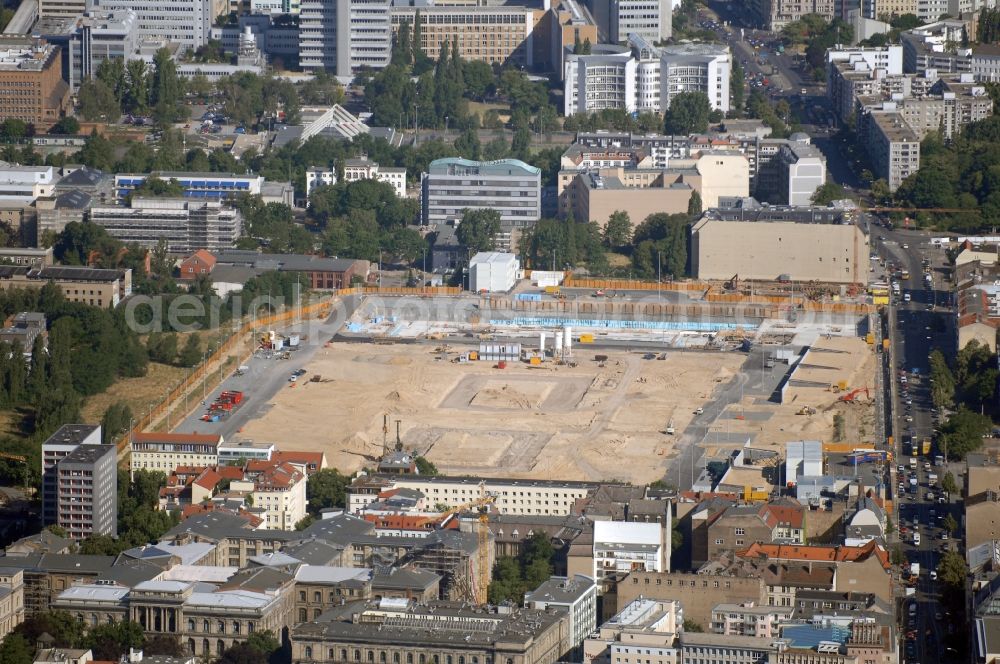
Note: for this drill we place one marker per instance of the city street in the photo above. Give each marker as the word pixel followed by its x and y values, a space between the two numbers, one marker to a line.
pixel 918 323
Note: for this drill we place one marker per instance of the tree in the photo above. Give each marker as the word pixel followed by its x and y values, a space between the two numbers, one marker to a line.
pixel 66 125
pixel 691 626
pixel 737 88
pixel 963 432
pixel 688 114
pixel 948 483
pixel 478 229
pixel 661 245
pixel 468 144
pixel 242 653
pixel 425 467
pixel 163 644
pixel 165 90
pixel 942 381
pixel 618 230
pixel 162 348
pixel 15 649
pixel 264 641
pixel 506 584
pixel 827 193
pixel 952 570
pixel 949 523
pixel 117 419
pixel 191 354
pixel 326 488
pixel 694 205
pixel 112 640
pixel 897 557
pixel 136 99
pixel 13 129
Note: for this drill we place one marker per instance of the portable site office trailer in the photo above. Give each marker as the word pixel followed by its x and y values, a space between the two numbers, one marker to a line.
pixel 496 352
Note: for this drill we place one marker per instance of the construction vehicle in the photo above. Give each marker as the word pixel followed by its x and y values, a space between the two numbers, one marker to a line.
pixel 732 284
pixel 852 396
pixel 755 495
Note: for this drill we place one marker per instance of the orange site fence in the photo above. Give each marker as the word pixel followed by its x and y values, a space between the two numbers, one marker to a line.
pixel 201 372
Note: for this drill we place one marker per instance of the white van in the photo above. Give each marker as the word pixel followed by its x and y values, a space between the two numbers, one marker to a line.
pixel 916 539
pixel 906 297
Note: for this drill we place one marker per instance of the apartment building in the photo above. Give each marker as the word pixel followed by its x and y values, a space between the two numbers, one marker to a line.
pixel 933 47
pixel 644 632
pixel 640 77
pixel 280 489
pixel 87 491
pixel 497 33
pixel 31 85
pixel 11 599
pixel 22 185
pixel 166 451
pixel 740 525
pixel 186 225
pixel 70 9
pixel 343 37
pixel 986 63
pixel 509 186
pixel 622 547
pixel 187 23
pixel 893 146
pixel 509 496
pixel 748 619
pixel 878 9
pixel 56 448
pixel 398 631
pixel 762 244
pixel 576 596
pixel 708 648
pixel 848 80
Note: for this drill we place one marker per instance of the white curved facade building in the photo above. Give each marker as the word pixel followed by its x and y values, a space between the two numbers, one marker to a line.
pixel 641 77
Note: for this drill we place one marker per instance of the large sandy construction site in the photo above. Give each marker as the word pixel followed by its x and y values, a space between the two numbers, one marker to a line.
pixel 593 421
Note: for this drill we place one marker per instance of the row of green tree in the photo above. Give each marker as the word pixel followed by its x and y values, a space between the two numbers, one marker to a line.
pixel 970 387
pixel 512 577
pixel 818 35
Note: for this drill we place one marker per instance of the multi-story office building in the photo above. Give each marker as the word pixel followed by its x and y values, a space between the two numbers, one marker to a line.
pixel 397 631
pixel 166 451
pixel 342 36
pixel 576 595
pixel 196 185
pixel 617 19
pixel 696 67
pixel 280 488
pixel 184 22
pixel 107 36
pixel 87 491
pixel 509 186
pixel 864 71
pixel 186 225
pixel 61 8
pixel 802 170
pixel 56 448
pixel 31 85
pixel 640 77
pixel 499 34
pixel 21 185
pixel 99 288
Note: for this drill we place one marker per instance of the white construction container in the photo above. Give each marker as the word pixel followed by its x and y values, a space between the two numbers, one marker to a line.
pixel 492 272
pixel 559 344
pixel 568 338
pixel 541 343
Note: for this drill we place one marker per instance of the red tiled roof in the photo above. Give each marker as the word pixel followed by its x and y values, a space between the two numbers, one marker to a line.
pixel 307 459
pixel 208 479
pixel 835 554
pixel 204 256
pixel 778 514
pixel 279 476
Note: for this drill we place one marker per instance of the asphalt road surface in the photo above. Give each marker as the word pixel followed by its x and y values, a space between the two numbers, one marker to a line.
pixel 263 378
